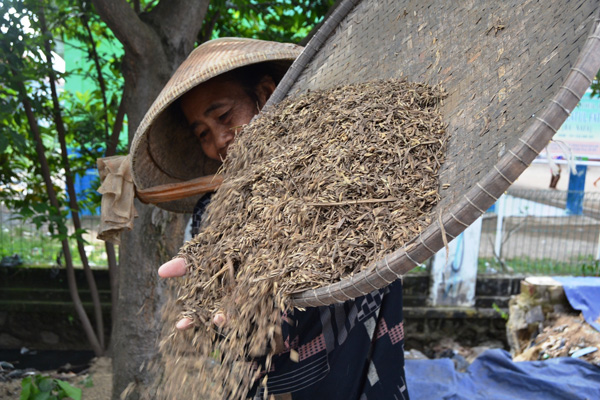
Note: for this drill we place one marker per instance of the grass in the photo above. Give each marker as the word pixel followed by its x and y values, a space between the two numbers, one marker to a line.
pixel 38 249
pixel 577 266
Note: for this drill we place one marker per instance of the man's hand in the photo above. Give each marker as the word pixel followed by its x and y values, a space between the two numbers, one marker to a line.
pixel 177 268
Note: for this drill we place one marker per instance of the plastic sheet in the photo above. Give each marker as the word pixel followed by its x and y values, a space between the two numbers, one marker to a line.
pixel 583 294
pixel 494 376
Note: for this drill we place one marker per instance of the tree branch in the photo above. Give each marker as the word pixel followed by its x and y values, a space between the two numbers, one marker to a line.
pixel 209 27
pixel 113 140
pixel 60 129
pixel 135 35
pixel 94 56
pixel 33 125
pixel 178 21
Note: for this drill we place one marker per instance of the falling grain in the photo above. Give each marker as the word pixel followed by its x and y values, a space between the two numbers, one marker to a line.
pixel 315 189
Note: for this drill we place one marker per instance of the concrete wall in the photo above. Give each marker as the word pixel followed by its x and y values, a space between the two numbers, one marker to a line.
pixel 538 175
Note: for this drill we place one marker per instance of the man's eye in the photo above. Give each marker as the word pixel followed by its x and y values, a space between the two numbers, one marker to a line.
pixel 223 117
pixel 202 134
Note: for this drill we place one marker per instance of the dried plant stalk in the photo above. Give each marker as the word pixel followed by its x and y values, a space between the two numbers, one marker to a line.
pixel 315 190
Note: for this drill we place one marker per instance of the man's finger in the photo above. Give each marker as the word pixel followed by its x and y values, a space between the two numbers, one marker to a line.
pixel 173 268
pixel 219 319
pixel 183 324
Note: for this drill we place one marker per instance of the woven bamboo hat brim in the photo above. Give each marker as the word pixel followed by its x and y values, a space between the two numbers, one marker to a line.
pixel 164 151
pixel 513 71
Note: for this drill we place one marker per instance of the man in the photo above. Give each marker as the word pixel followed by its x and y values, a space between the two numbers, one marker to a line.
pixel 345 351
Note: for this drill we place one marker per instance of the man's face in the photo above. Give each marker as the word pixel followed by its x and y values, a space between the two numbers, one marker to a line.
pixel 216 110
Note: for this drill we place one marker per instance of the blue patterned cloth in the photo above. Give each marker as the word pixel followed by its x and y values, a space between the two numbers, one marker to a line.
pixel 198 213
pixel 353 350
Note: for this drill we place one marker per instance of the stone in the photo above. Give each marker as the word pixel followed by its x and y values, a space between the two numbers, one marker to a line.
pixel 534 314
pixel 492 344
pixel 49 337
pixel 460 363
pixel 414 354
pixel 544 288
pixel 9 342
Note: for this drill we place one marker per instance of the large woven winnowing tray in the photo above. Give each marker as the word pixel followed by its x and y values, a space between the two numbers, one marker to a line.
pixel 513 71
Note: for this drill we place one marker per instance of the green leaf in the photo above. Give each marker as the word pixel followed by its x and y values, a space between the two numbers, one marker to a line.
pixel 18 140
pixel 26 388
pixel 42 396
pixel 87 382
pixel 70 391
pixel 41 207
pixel 45 384
pixel 3 143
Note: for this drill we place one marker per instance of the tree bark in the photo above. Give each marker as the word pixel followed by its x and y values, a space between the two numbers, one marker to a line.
pixel 155 44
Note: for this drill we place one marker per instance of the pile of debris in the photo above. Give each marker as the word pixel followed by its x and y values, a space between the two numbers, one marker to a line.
pixel 542 325
pixel 564 335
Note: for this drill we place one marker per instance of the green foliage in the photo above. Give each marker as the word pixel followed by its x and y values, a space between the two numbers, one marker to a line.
pixel 577 266
pixel 21 60
pixel 283 20
pixel 38 247
pixel 87 117
pixel 590 268
pixel 87 382
pixel 503 314
pixel 41 387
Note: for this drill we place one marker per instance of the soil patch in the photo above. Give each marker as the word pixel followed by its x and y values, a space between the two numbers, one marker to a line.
pixel 94 380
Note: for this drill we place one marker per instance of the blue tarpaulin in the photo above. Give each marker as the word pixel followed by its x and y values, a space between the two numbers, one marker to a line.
pixel 583 294
pixel 494 376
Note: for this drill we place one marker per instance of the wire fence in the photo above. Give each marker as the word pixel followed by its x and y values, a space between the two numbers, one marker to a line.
pixel 22 241
pixel 548 232
pixel 542 232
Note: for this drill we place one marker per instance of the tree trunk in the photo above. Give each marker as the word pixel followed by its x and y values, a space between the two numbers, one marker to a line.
pixel 70 184
pixel 155 238
pixel 112 141
pixel 61 228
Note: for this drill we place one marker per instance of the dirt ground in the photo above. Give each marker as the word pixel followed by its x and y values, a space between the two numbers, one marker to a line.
pixel 95 383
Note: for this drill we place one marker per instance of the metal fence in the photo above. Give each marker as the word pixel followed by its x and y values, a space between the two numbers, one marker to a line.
pixel 542 232
pixel 526 231
pixel 35 246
